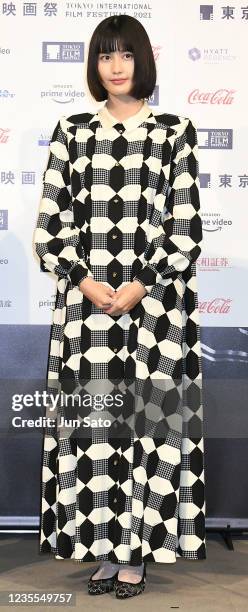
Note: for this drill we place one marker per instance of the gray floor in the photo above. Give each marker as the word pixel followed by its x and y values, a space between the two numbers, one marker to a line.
pixel 218 583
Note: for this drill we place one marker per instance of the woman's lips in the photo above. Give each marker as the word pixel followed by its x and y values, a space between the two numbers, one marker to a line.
pixel 118 81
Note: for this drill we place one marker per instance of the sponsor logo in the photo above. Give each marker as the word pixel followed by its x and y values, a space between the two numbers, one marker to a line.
pixel 215 138
pixel 206 12
pixel 212 264
pixel 63 52
pixel 220 96
pixel 4 135
pixel 218 305
pixel 209 55
pixel 62 93
pixel 153 100
pixel 215 222
pixel 156 51
pixel 3 219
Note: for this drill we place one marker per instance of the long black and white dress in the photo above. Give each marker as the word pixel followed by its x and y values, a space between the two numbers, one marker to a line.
pixel 121 201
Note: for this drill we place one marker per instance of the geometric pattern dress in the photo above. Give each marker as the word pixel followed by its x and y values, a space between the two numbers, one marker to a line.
pixel 120 201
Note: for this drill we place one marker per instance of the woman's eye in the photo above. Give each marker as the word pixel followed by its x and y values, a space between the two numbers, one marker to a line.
pixel 107 55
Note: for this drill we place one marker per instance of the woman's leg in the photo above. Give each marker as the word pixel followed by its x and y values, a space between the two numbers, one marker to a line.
pixel 131 573
pixel 105 570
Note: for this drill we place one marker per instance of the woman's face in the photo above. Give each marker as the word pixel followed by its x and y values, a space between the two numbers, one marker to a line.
pixel 117 65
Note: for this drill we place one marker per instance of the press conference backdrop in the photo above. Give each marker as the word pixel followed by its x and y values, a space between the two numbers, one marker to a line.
pixel 201 62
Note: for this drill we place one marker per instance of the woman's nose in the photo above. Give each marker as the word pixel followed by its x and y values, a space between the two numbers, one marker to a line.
pixel 116 64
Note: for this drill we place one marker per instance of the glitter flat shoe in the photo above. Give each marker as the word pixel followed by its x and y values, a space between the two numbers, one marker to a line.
pixel 101 586
pixel 123 590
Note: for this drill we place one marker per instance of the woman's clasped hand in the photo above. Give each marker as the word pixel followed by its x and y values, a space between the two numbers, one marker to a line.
pixel 113 302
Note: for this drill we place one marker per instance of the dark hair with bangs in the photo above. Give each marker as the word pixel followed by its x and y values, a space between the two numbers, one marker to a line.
pixel 124 33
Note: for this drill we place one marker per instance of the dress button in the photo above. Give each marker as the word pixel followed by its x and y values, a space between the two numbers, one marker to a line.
pixel 115 500
pixel 120 131
pixel 115 461
pixel 117 164
pixel 114 273
pixel 116 200
pixel 115 350
pixel 114 235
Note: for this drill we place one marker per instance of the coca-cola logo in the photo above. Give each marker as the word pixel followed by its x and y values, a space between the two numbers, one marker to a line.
pixel 156 51
pixel 4 135
pixel 216 306
pixel 220 96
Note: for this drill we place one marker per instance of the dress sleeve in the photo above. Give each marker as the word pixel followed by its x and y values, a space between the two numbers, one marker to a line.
pixel 56 239
pixel 175 226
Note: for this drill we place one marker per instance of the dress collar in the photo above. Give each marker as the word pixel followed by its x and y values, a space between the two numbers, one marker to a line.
pixel 107 120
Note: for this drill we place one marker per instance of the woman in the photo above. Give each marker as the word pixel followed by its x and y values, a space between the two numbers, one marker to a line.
pixel 119 224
